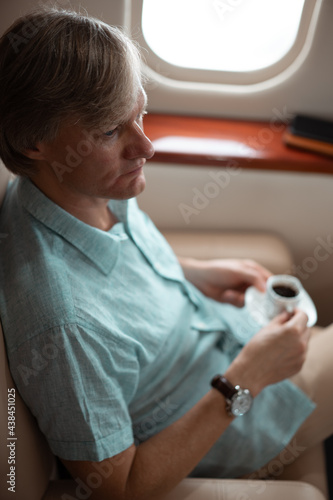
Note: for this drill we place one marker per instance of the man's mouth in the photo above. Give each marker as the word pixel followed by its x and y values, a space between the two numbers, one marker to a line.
pixel 136 169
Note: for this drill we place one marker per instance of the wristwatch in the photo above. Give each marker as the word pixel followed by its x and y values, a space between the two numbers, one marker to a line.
pixel 238 401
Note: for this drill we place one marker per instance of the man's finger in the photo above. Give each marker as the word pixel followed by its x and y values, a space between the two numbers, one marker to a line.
pixel 282 318
pixel 254 278
pixel 233 297
pixel 299 318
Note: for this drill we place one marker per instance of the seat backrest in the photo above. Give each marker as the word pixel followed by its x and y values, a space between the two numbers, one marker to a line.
pixel 25 459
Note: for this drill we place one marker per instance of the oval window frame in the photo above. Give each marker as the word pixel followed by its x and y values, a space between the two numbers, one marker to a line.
pixel 157 68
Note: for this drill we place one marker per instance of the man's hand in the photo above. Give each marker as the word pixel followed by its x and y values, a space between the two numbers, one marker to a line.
pixel 225 280
pixel 275 353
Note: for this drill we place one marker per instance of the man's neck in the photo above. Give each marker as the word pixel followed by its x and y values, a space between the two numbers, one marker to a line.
pixel 92 211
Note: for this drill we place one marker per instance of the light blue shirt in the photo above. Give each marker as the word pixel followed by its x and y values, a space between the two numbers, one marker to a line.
pixel 109 344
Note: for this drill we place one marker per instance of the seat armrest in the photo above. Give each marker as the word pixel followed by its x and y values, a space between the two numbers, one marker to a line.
pixel 206 489
pixel 267 249
pixel 231 489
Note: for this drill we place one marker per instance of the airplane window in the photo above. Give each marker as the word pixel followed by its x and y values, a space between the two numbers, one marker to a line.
pixel 223 35
pixel 225 42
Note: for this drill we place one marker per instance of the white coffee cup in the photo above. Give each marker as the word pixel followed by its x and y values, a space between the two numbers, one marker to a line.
pixel 283 293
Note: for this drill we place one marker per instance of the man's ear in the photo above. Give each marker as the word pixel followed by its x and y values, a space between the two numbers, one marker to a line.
pixel 36 152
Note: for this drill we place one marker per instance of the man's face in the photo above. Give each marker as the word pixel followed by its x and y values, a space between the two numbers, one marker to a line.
pixel 104 163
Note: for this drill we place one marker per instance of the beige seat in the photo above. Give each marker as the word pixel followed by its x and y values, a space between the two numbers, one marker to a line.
pixel 36 477
pixel 268 249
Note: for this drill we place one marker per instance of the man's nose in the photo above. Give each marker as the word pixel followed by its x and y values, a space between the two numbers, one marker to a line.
pixel 139 146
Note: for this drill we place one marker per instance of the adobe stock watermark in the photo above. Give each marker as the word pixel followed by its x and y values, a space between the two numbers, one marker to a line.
pixel 74 157
pixel 219 180
pixel 102 470
pixel 147 427
pixel 41 358
pixel 274 468
pixel 310 264
pixel 225 7
pixel 152 83
pixel 277 123
pixel 30 29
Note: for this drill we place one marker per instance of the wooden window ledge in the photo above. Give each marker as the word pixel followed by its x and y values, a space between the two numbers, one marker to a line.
pixel 210 141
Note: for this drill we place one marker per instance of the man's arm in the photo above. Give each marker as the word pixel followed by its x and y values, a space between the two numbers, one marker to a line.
pixel 149 471
pixel 225 280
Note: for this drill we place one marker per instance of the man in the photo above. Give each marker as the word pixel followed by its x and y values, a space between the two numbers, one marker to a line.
pixel 112 343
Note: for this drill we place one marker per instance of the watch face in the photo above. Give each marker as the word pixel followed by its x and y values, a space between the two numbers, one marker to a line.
pixel 241 402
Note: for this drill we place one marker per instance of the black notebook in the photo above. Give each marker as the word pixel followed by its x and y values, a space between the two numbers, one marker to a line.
pixel 312 128
pixel 311 134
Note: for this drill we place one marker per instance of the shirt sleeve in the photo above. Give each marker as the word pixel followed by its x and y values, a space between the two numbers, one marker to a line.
pixel 78 384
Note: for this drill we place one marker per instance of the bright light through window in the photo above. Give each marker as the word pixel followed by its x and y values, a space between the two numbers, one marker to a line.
pixel 225 35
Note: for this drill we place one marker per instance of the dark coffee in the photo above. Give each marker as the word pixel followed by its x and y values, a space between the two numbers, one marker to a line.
pixel 284 291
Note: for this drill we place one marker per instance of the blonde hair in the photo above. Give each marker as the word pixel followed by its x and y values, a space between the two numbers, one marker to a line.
pixel 56 64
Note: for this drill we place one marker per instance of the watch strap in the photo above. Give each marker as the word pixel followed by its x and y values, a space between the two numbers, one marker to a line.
pixel 223 385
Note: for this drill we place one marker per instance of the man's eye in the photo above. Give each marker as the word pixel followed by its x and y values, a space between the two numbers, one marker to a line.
pixel 110 133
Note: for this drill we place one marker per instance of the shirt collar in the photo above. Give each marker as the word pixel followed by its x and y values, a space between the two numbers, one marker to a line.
pixel 94 243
